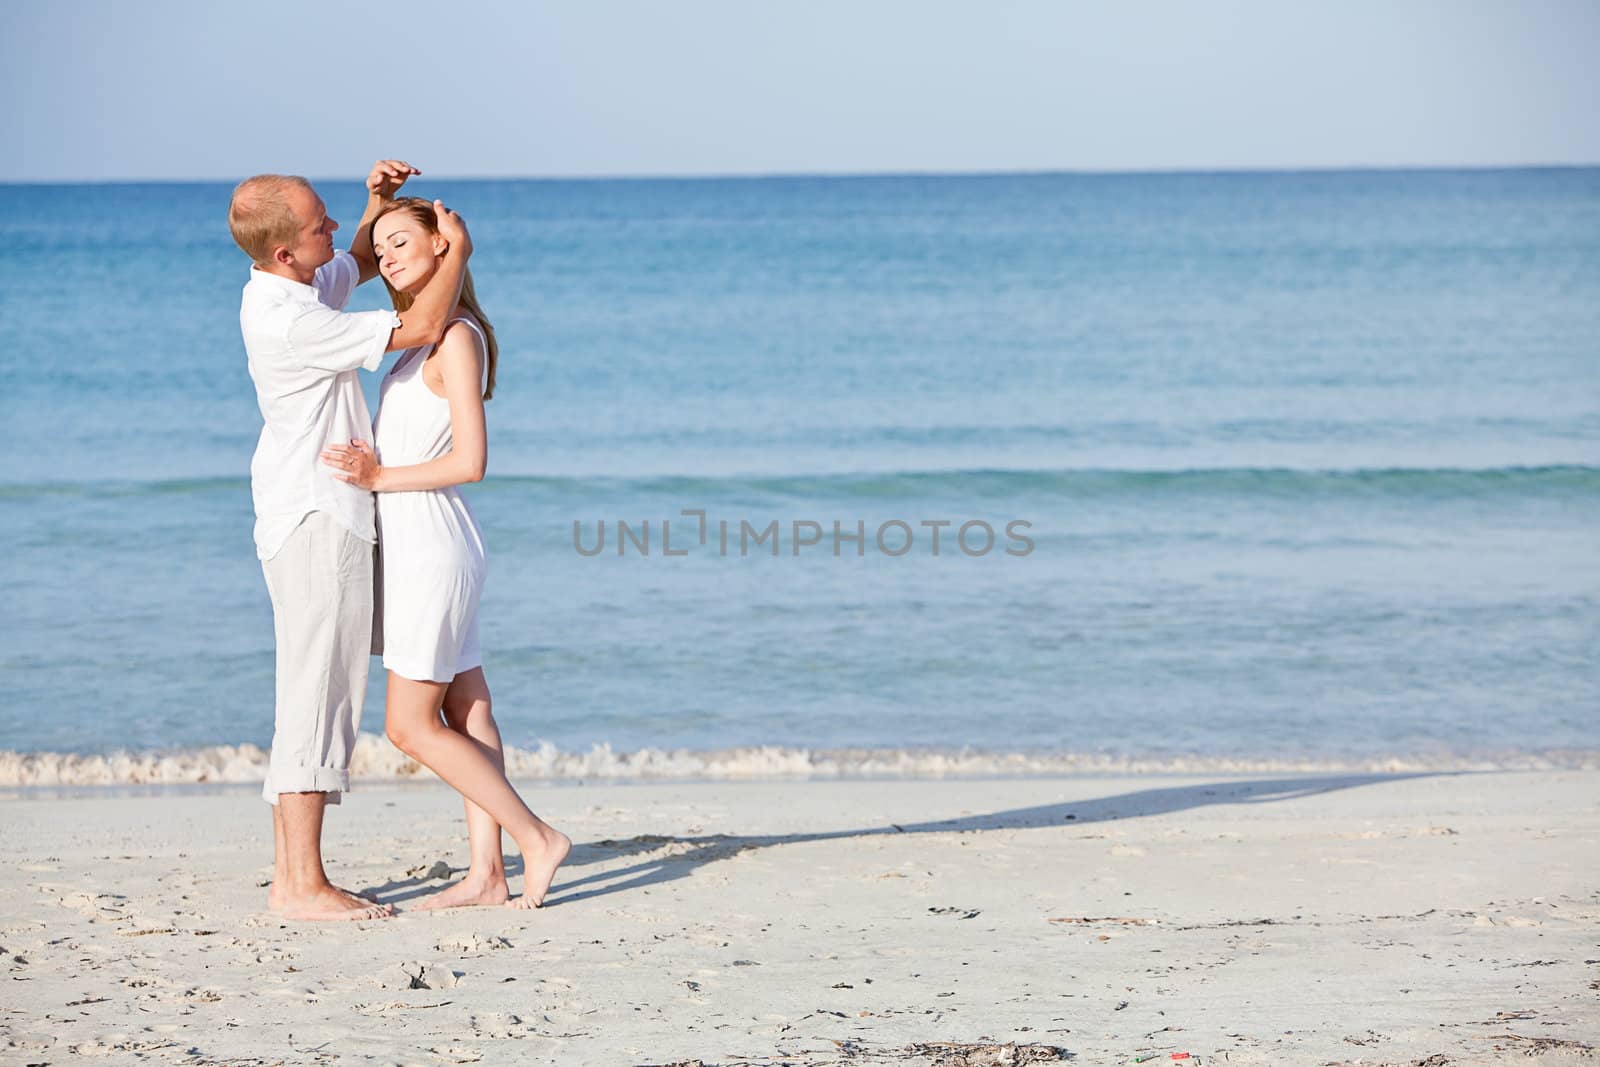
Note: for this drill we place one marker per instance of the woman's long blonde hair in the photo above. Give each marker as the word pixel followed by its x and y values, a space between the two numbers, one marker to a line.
pixel 421 211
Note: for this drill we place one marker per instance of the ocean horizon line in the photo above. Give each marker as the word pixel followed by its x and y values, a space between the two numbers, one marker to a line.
pixel 582 177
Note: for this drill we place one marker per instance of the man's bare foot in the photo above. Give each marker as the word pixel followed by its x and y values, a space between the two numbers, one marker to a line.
pixel 472 891
pixel 539 866
pixel 330 903
pixel 275 898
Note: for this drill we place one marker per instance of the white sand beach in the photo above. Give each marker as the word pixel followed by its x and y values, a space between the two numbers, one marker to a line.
pixel 1441 919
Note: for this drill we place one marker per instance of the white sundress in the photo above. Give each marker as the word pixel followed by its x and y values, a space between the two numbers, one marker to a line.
pixel 431 562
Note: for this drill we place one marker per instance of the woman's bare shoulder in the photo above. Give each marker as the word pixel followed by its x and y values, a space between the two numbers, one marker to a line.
pixel 459 339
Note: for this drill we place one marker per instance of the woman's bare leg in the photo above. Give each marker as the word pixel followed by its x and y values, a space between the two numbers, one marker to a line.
pixel 416 728
pixel 468 711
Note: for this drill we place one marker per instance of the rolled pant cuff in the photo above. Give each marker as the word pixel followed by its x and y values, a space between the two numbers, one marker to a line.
pixel 330 780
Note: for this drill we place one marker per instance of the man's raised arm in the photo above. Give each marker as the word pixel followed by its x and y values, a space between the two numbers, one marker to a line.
pixel 424 321
pixel 387 176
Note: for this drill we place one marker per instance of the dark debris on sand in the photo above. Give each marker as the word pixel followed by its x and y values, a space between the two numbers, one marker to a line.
pixel 946 1054
pixel 933 1053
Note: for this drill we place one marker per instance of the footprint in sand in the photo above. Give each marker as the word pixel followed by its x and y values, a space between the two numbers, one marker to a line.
pixel 421 974
pixel 98 907
pixel 114 1044
pixel 26 1044
pixel 501 1025
pixel 472 944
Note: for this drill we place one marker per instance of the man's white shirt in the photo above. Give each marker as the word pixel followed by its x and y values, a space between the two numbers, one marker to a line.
pixel 303 352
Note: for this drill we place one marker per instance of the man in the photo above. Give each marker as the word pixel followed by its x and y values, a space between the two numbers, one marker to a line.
pixel 315 534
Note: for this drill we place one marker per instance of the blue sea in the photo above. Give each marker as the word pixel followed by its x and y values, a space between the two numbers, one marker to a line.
pixel 1253 466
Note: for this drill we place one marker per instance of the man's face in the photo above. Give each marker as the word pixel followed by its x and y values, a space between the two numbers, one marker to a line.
pixel 315 245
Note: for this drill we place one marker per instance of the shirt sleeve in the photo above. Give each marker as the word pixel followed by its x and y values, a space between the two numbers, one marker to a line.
pixel 337 341
pixel 336 280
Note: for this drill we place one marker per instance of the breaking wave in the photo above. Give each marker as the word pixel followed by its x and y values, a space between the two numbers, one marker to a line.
pixel 378 761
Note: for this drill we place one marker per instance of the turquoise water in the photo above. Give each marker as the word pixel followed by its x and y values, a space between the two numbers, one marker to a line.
pixel 1310 463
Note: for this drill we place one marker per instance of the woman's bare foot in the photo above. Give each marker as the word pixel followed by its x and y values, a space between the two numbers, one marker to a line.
pixel 539 865
pixel 329 903
pixel 471 892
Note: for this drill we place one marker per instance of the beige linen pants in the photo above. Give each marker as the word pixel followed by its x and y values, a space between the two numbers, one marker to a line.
pixel 320 583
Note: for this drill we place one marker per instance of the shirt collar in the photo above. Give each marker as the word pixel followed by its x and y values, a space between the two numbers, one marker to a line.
pixel 260 277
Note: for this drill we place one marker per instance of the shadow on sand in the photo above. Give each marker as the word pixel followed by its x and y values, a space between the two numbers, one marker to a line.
pixel 684 854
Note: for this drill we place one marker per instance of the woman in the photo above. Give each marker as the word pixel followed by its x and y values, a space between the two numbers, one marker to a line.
pixel 429 438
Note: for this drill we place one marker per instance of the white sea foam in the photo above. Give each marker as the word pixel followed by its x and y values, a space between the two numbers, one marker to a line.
pixel 376 760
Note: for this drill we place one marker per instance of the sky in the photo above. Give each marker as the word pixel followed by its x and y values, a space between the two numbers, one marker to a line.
pixel 96 90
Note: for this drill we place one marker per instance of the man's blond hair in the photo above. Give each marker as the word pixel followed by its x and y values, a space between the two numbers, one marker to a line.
pixel 259 216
